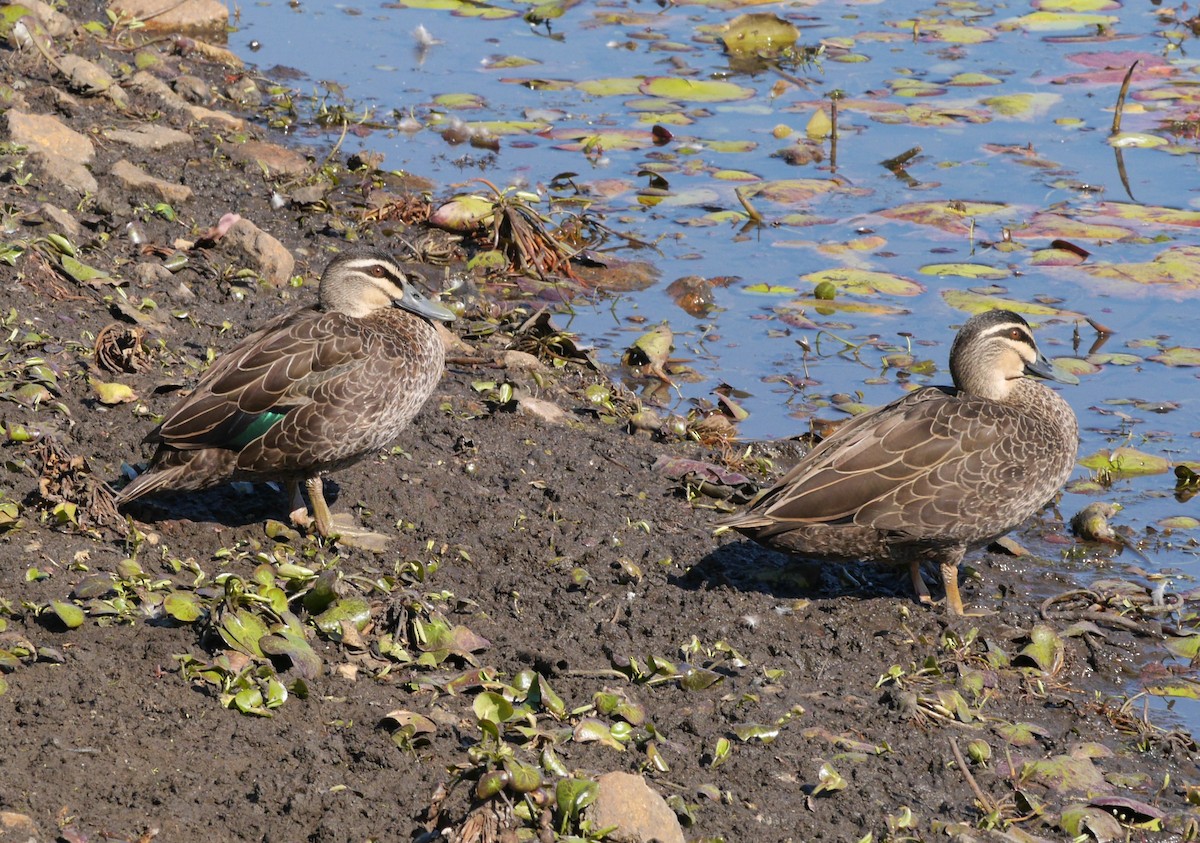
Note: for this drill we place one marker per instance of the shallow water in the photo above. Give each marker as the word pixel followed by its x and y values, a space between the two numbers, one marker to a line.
pixel 1044 149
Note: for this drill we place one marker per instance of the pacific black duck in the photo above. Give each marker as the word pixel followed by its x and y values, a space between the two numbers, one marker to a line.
pixel 934 473
pixel 308 393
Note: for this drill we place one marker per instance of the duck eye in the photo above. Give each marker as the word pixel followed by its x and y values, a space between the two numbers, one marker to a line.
pixel 377 271
pixel 1014 334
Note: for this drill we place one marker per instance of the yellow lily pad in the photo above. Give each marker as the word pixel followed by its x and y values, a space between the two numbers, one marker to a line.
pixel 1178 356
pixel 1058 21
pixel 1179 522
pixel 1136 140
pixel 1126 462
pixel 841 306
pixel 966 270
pixel 952 217
pixel 1178 267
pixel 972 80
pixel 866 282
pixel 694 90
pixel 1023 106
pixel 973 303
pixel 797 191
pixel 456 102
pixel 759 34
pixel 613 86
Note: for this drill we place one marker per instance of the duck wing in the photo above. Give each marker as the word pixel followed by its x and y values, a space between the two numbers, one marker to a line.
pixel 255 384
pixel 897 468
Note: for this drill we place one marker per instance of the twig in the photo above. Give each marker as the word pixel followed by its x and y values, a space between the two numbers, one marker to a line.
pixel 988 806
pixel 1120 110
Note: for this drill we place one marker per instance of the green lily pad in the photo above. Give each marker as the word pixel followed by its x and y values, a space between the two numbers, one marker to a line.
pixel 183 606
pixel 758 34
pixel 966 270
pixel 1178 356
pixel 1126 462
pixel 976 303
pixel 866 282
pixel 694 90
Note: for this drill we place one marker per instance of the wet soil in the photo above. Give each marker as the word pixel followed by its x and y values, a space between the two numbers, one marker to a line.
pixel 778 702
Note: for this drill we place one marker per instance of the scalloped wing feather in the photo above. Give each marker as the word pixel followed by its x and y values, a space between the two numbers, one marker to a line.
pixel 266 372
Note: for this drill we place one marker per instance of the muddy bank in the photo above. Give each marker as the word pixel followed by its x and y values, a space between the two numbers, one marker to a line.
pixel 552 607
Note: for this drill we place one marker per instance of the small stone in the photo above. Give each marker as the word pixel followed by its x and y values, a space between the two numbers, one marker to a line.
pixel 149 274
pixel 150 137
pixel 270 158
pixel 522 361
pixel 137 180
pixel 66 223
pixel 638 812
pixel 254 248
pixel 84 77
pixel 192 88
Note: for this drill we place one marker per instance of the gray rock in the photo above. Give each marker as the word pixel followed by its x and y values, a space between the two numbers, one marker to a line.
pixel 253 248
pixel 638 812
pixel 150 137
pixel 138 181
pixel 60 152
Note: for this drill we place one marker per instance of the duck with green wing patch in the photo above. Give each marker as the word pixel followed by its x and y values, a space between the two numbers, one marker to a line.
pixel 308 393
pixel 934 473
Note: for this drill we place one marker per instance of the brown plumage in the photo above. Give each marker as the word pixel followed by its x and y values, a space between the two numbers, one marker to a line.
pixel 941 470
pixel 310 392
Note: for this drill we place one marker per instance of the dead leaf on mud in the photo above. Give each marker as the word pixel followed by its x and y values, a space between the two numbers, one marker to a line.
pixel 68 480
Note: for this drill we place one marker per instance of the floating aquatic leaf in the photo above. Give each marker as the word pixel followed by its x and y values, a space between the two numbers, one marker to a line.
pixel 866 282
pixel 1179 522
pixel 1058 22
pixel 953 217
pixel 1178 356
pixel 975 303
pixel 1023 106
pixel 761 34
pixel 694 90
pixel 1178 687
pixel 1178 266
pixel 1126 462
pixel 966 270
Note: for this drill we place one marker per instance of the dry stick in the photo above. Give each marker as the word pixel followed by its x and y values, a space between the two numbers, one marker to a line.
pixel 988 806
pixel 1120 111
pixel 833 132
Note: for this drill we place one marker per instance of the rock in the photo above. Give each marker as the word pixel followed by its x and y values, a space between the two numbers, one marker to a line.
pixel 66 223
pixel 540 408
pixel 138 181
pixel 193 89
pixel 150 137
pixel 271 158
pixel 185 16
pixel 57 24
pixel 522 361
pixel 83 76
pixel 18 827
pixel 150 274
pixel 59 151
pixel 150 84
pixel 638 812
pixel 257 250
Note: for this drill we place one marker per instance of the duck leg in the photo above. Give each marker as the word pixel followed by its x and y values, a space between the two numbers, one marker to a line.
pixel 949 565
pixel 918 582
pixel 347 532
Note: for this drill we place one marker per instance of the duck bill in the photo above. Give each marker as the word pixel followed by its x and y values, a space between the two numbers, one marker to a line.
pixel 1043 368
pixel 420 304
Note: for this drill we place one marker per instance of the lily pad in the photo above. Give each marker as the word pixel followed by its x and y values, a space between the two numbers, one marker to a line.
pixel 1126 462
pixel 866 282
pixel 694 90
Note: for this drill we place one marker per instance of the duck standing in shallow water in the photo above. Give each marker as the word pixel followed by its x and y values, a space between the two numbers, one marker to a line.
pixel 308 393
pixel 934 473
